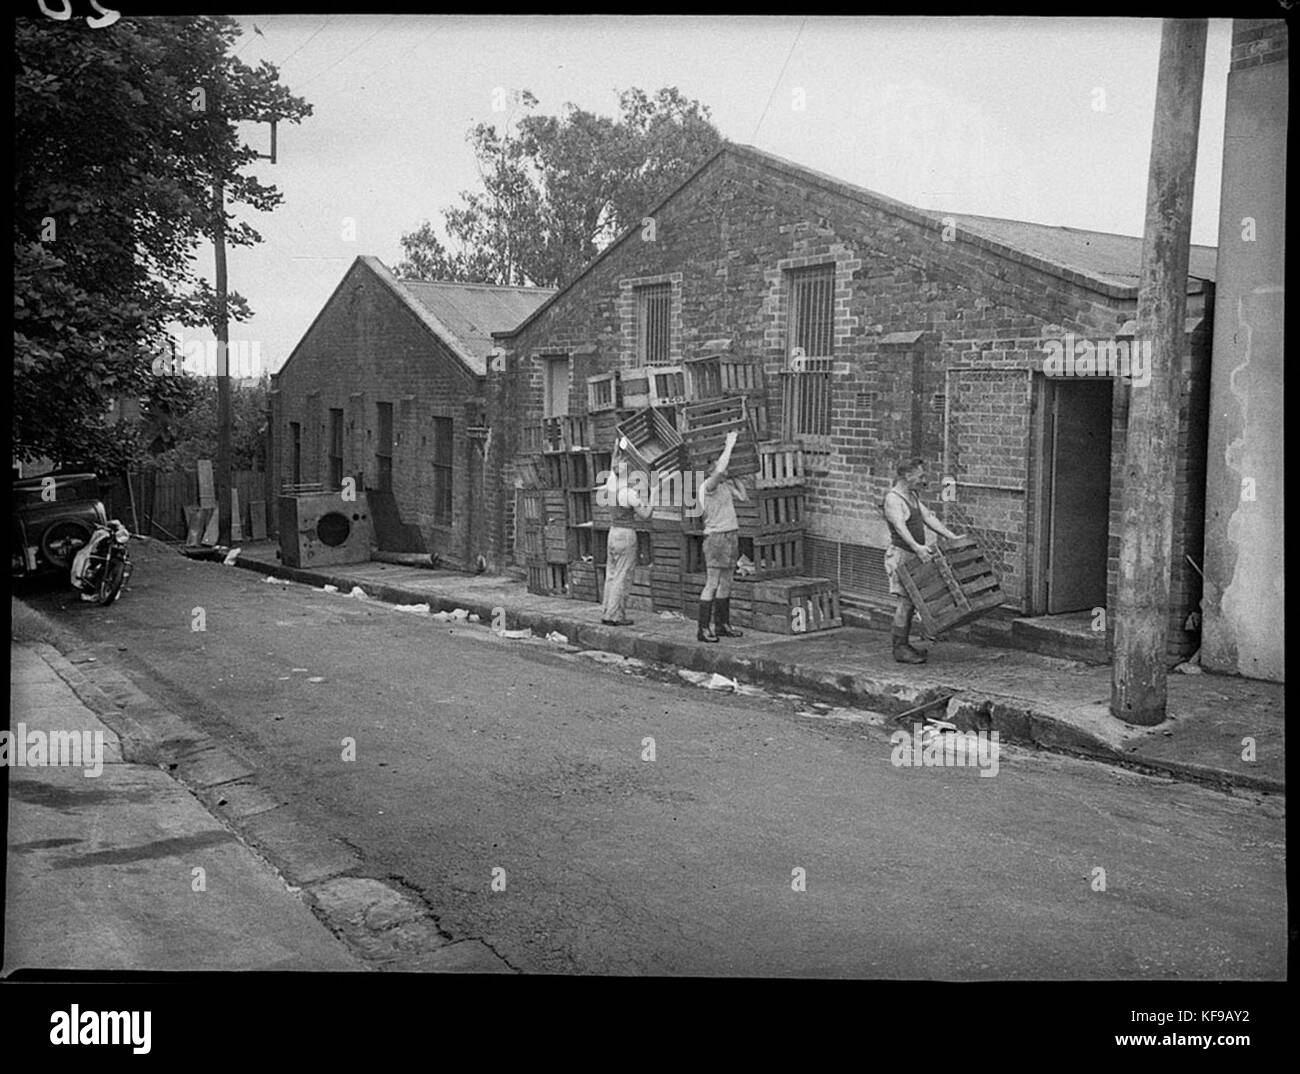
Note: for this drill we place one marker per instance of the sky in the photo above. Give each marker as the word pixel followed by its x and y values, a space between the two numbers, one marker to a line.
pixel 1047 120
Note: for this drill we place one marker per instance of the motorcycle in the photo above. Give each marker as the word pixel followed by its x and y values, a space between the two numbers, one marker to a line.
pixel 100 569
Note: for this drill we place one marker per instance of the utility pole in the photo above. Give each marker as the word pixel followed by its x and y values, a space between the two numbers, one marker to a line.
pixel 222 478
pixel 1138 674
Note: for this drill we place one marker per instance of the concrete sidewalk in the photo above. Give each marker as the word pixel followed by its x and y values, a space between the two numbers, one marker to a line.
pixel 126 870
pixel 1214 724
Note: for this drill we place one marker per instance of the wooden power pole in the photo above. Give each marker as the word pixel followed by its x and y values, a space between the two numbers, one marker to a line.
pixel 222 476
pixel 1141 619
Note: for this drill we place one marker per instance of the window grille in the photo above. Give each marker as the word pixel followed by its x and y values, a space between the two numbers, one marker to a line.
pixel 812 311
pixel 806 393
pixel 654 324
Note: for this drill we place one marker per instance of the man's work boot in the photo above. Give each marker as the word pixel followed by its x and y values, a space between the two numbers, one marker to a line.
pixel 903 652
pixel 722 613
pixel 705 632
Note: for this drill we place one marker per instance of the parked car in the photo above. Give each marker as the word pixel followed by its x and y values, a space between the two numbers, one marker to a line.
pixel 54 517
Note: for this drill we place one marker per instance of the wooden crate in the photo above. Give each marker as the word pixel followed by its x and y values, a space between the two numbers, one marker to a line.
pixel 560 542
pixel 529 506
pixel 704 433
pixel 957 586
pixel 603 393
pixel 604 429
pixel 655 442
pixel 551 469
pixel 548 579
pixel 575 433
pixel 780 465
pixel 666 552
pixel 534 548
pixel 554 505
pixel 530 438
pixel 553 435
pixel 797 605
pixel 586 582
pixel 771 511
pixel 575 471
pixel 775 555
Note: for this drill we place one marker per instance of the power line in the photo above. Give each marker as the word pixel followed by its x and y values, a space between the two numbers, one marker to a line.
pixel 281 63
pixel 346 55
pixel 776 85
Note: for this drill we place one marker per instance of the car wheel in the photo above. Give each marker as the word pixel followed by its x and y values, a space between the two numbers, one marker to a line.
pixel 63 540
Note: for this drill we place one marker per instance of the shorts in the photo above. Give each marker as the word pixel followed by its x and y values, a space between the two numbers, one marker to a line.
pixel 893 557
pixel 720 549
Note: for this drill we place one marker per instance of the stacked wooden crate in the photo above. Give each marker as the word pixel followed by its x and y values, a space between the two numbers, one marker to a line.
pixel 667 549
pixel 728 376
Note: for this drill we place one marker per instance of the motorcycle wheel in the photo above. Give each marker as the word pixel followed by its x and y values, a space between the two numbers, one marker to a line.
pixel 110 583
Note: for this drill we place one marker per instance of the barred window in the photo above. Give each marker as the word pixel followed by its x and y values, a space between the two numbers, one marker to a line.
pixel 812 311
pixel 654 324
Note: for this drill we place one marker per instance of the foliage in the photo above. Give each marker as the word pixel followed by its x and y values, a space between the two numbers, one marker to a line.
pixel 181 435
pixel 558 189
pixel 123 135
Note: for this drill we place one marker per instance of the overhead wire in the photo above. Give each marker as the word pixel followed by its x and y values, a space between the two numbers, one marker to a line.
pixel 777 84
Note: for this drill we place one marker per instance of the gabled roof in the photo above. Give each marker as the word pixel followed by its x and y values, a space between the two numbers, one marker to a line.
pixel 462 315
pixel 471 312
pixel 1110 264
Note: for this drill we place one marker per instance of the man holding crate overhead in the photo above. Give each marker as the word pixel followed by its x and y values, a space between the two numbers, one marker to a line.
pixel 908 518
pixel 721 533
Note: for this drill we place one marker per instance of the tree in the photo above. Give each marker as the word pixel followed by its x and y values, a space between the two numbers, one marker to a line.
pixel 186 430
pixel 558 189
pixel 121 134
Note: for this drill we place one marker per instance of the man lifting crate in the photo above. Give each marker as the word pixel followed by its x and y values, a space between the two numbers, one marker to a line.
pixel 908 518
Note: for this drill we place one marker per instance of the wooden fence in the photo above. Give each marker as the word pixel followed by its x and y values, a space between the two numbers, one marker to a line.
pixel 160 500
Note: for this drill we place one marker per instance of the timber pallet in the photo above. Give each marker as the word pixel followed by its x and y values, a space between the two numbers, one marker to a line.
pixel 957 586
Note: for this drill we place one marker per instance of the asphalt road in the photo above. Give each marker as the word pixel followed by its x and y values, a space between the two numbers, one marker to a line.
pixel 476 753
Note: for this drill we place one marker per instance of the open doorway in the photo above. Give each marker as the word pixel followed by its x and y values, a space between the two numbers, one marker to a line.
pixel 1075 517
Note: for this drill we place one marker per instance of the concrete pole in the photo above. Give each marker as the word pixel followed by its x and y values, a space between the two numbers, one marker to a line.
pixel 1141 619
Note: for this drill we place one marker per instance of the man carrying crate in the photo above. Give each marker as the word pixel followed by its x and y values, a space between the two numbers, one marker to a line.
pixel 908 518
pixel 626 507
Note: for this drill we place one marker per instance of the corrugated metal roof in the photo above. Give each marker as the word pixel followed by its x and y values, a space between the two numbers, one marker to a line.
pixel 471 312
pixel 1115 257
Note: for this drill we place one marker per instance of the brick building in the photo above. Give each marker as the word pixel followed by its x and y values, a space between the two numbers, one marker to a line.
pixel 918 333
pixel 387 386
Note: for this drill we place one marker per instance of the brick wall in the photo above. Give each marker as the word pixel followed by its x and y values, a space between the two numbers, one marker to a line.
pixel 367 347
pixel 975 320
pixel 1256 42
